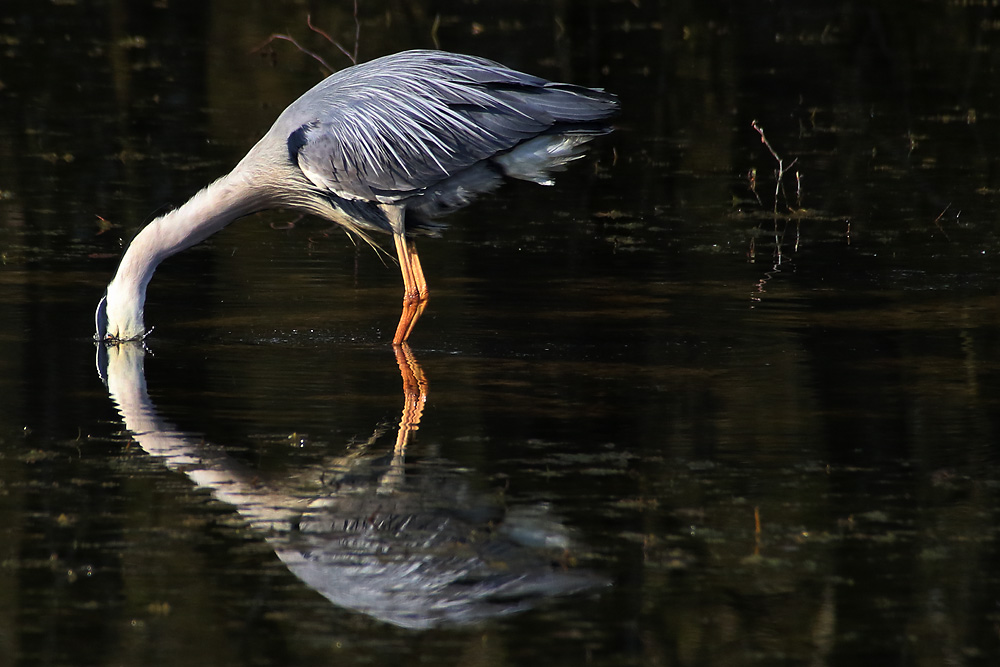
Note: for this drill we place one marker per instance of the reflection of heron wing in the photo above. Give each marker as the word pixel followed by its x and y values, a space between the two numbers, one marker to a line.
pixel 388 129
pixel 406 560
pixel 429 553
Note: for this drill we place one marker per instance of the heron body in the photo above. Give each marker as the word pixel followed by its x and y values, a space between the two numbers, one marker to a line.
pixel 388 146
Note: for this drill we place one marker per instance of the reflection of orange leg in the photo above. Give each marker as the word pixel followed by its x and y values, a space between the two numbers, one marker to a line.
pixel 414 288
pixel 414 395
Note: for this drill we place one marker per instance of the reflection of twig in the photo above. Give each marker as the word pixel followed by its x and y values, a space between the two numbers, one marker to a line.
pixel 761 285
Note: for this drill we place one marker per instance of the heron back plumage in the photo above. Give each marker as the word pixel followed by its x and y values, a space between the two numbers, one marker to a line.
pixel 431 130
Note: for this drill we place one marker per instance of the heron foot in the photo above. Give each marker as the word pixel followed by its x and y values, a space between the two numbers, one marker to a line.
pixel 412 310
pixel 414 284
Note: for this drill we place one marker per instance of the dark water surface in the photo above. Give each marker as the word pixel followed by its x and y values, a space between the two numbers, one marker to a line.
pixel 750 438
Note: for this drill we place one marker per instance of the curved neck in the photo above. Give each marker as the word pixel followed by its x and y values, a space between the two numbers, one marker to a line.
pixel 225 200
pixel 210 210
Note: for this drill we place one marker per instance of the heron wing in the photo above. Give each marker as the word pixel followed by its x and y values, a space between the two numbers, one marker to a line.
pixel 388 129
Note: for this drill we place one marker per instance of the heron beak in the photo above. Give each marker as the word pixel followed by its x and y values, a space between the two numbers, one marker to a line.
pixel 101 318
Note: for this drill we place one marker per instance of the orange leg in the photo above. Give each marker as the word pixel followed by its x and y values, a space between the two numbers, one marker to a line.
pixel 403 253
pixel 414 288
pixel 418 273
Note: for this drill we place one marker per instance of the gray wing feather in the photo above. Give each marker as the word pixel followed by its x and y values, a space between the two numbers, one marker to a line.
pixel 388 129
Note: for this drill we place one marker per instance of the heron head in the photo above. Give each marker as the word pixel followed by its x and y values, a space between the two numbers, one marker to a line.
pixel 119 315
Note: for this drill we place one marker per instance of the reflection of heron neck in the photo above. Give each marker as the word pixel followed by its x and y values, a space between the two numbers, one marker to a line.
pixel 228 482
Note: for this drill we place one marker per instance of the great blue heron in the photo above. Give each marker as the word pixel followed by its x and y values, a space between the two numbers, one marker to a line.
pixel 386 146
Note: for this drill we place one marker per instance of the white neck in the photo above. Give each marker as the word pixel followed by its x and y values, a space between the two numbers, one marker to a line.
pixel 225 200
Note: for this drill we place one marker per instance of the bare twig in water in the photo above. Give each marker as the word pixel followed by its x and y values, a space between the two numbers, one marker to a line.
pixel 937 221
pixel 756 531
pixel 779 185
pixel 357 27
pixel 780 226
pixel 434 31
pixel 752 182
pixel 353 57
pixel 286 225
pixel 357 35
pixel 289 38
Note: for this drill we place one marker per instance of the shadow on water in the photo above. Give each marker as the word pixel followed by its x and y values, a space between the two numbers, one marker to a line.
pixel 415 548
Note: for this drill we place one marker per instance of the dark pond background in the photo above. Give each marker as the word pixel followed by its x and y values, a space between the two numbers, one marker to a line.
pixel 776 434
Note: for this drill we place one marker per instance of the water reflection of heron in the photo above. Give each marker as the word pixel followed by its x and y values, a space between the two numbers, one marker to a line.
pixel 387 146
pixel 414 550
